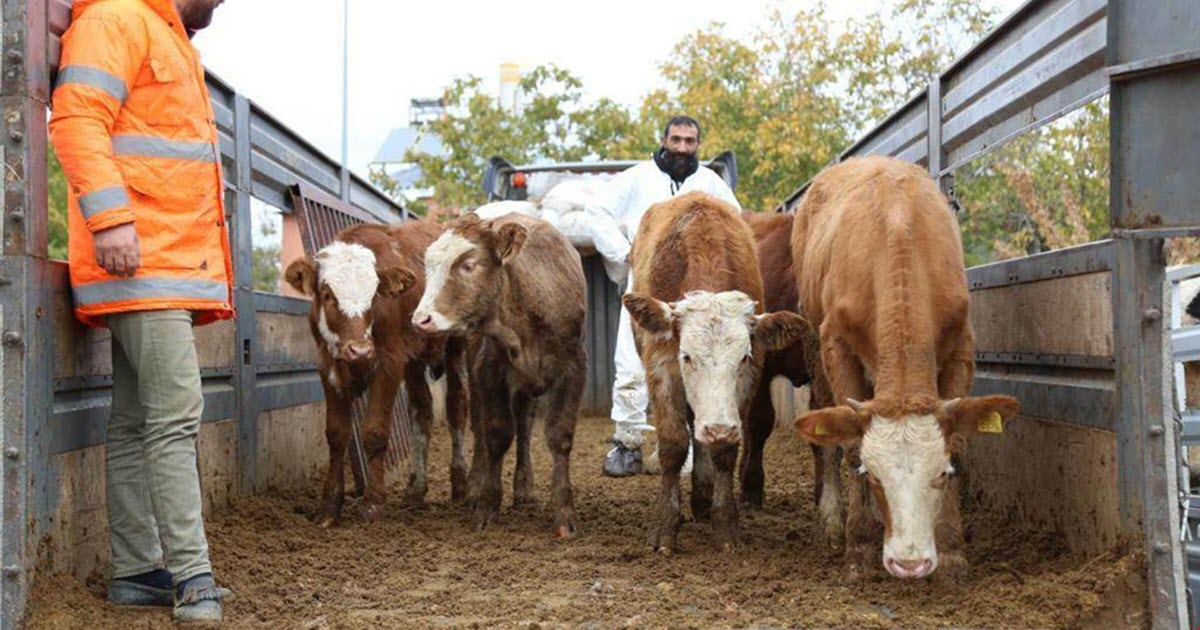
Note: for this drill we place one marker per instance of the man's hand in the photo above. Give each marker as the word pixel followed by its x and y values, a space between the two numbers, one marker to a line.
pixel 117 250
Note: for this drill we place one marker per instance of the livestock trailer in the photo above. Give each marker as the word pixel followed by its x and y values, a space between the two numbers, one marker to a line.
pixel 1078 335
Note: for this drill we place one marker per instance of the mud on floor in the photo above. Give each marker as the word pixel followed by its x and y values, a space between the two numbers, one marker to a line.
pixel 426 568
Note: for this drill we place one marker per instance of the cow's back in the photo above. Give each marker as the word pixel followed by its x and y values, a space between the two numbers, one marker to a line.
pixel 772 237
pixel 695 242
pixel 859 225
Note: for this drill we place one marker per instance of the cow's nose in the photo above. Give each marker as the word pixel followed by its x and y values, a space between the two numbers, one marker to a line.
pixel 424 323
pixel 358 351
pixel 910 569
pixel 721 434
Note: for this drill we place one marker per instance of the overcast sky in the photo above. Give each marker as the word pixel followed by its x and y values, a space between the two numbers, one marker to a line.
pixel 288 59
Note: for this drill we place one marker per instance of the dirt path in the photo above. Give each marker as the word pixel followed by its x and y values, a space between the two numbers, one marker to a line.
pixel 426 568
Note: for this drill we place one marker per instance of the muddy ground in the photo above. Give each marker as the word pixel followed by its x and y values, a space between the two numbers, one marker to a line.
pixel 426 568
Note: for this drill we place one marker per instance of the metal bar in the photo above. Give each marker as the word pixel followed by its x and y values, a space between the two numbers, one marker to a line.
pixel 1040 40
pixel 1191 432
pixel 933 130
pixel 1157 233
pixel 1185 344
pixel 1183 273
pixel 1147 67
pixel 279 391
pixel 1072 261
pixel 1087 402
pixel 306 367
pixel 275 303
pixel 81 421
pixel 1145 439
pixel 246 324
pixel 103 381
pixel 1046 359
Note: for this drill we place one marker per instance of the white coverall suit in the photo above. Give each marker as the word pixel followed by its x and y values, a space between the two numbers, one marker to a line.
pixel 613 216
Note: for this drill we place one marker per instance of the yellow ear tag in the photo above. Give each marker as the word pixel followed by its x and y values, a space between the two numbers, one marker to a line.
pixel 992 424
pixel 820 430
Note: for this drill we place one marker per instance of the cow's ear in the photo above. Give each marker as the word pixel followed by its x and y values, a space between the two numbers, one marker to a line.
pixel 302 275
pixel 395 280
pixel 983 414
pixel 833 426
pixel 509 241
pixel 653 315
pixel 776 331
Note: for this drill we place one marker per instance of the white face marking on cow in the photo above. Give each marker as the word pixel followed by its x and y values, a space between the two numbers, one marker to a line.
pixel 330 337
pixel 908 456
pixel 348 269
pixel 714 360
pixel 439 261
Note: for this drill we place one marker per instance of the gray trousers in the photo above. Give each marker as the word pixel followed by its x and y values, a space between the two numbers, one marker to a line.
pixel 154 506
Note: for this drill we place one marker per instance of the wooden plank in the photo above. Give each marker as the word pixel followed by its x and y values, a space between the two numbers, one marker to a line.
pixel 1070 315
pixel 291 446
pixel 284 339
pixel 1072 489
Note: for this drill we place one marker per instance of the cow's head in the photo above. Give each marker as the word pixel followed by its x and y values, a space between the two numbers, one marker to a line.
pixel 344 280
pixel 721 345
pixel 463 273
pixel 906 461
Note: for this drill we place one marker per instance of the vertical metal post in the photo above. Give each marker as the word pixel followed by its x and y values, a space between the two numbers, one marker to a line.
pixel 1154 149
pixel 26 472
pixel 247 326
pixel 345 175
pixel 936 153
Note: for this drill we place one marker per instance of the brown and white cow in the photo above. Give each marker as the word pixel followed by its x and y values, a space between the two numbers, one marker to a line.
pixel 703 338
pixel 364 287
pixel 797 363
pixel 879 265
pixel 515 287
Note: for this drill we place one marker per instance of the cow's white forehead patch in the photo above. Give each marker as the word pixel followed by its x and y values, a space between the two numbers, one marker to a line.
pixel 716 324
pixel 348 269
pixel 896 448
pixel 438 259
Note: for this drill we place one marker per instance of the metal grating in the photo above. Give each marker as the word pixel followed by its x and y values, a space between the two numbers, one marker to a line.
pixel 321 217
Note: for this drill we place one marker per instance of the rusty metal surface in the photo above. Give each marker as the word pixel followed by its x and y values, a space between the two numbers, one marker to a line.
pixel 321 217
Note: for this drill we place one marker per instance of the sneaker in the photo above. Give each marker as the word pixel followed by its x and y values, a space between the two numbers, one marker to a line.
pixel 123 592
pixel 623 461
pixel 198 601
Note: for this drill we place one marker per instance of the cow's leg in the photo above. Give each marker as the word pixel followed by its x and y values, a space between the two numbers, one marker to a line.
pixel 668 404
pixel 864 532
pixel 847 380
pixel 726 528
pixel 954 381
pixel 827 470
pixel 522 411
pixel 381 401
pixel 498 427
pixel 562 412
pixel 760 424
pixel 478 409
pixel 337 436
pixel 457 415
pixel 702 478
pixel 421 405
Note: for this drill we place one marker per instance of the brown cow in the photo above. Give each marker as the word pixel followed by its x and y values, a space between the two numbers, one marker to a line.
pixel 703 339
pixel 365 286
pixel 772 236
pixel 880 271
pixel 514 285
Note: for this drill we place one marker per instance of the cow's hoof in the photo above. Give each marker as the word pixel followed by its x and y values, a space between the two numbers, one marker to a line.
pixel 485 516
pixel 855 572
pixel 372 512
pixel 328 522
pixel 833 535
pixel 566 526
pixel 523 502
pixel 458 495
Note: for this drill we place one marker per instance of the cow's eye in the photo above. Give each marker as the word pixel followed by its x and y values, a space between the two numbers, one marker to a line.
pixel 687 358
pixel 940 481
pixel 468 266
pixel 746 359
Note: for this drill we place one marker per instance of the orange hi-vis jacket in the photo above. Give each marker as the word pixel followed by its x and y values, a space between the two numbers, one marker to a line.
pixel 134 130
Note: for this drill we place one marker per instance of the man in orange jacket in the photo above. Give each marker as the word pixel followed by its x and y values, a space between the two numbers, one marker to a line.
pixel 149 256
